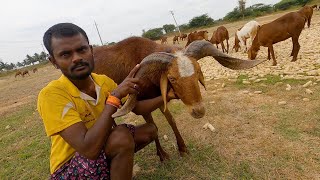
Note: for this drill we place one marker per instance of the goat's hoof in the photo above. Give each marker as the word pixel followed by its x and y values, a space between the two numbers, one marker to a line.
pixel 163 156
pixel 184 153
pixel 274 64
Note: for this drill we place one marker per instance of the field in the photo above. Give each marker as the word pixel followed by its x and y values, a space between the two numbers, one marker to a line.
pixel 267 123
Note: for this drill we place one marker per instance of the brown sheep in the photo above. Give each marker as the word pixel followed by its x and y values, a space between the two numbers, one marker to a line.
pixel 34 70
pixel 25 72
pixel 163 67
pixel 176 38
pixel 219 36
pixel 183 37
pixel 197 36
pixel 288 25
pixel 18 73
pixel 307 12
pixel 164 39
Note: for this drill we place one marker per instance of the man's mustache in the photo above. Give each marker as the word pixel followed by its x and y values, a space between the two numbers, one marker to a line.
pixel 81 63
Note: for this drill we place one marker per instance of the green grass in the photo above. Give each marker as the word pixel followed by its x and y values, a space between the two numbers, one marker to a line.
pixel 24 146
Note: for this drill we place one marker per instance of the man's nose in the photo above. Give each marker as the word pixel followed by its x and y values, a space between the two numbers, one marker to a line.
pixel 76 58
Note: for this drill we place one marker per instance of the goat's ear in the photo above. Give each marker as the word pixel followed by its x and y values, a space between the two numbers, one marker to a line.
pixel 201 79
pixel 164 87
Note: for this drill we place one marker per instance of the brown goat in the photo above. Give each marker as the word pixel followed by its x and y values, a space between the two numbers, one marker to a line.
pixel 18 73
pixel 164 39
pixel 25 72
pixel 197 36
pixel 307 12
pixel 34 70
pixel 183 37
pixel 162 67
pixel 288 25
pixel 219 36
pixel 176 38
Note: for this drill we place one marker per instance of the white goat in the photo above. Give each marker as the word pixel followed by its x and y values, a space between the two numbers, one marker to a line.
pixel 249 30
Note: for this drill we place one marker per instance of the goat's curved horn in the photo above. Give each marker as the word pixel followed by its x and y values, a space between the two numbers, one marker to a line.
pixel 199 49
pixel 151 67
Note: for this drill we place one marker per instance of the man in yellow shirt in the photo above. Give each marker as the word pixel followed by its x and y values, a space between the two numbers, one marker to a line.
pixel 76 110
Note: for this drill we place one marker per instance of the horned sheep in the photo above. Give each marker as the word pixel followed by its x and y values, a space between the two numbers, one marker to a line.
pixel 162 67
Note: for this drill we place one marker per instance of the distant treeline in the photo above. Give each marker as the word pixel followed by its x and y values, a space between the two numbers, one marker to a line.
pixel 205 20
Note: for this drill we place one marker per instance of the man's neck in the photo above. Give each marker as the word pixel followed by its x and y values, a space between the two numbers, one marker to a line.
pixel 83 85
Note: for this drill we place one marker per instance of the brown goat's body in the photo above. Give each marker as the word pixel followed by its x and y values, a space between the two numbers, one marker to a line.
pixel 289 25
pixel 183 37
pixel 197 36
pixel 176 39
pixel 164 40
pixel 219 36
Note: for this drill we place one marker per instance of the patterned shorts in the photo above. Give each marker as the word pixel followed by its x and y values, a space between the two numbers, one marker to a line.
pixel 79 167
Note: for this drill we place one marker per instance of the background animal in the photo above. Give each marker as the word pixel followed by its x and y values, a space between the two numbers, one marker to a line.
pixel 307 12
pixel 193 36
pixel 167 68
pixel 286 26
pixel 183 37
pixel 164 39
pixel 25 72
pixel 34 70
pixel 249 30
pixel 18 73
pixel 219 36
pixel 176 39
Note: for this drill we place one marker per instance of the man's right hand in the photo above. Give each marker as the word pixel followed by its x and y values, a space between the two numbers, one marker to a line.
pixel 129 85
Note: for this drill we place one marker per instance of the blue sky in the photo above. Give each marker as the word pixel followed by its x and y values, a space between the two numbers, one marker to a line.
pixel 23 23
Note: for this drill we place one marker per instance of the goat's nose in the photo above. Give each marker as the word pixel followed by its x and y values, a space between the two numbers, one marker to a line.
pixel 197 111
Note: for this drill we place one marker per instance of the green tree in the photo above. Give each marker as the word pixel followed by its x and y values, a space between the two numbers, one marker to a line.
pixel 19 64
pixel 168 28
pixel 153 34
pixel 242 7
pixel 198 21
pixel 43 56
pixel 2 65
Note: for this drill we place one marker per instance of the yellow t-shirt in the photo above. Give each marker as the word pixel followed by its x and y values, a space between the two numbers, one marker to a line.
pixel 61 104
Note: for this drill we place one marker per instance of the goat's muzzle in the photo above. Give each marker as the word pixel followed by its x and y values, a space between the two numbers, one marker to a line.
pixel 197 111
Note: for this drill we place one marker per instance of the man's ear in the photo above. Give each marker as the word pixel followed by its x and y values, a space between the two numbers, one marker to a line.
pixel 53 61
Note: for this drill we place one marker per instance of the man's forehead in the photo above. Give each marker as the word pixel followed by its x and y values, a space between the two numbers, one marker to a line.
pixel 62 42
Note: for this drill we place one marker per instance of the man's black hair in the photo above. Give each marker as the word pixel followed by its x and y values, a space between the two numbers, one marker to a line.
pixel 61 30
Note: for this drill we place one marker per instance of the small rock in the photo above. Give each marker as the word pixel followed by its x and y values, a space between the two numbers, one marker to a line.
pixel 212 102
pixel 223 85
pixel 288 87
pixel 165 137
pixel 211 127
pixel 307 84
pixel 205 126
pixel 258 92
pixel 245 92
pixel 308 91
pixel 257 80
pixel 251 94
pixel 306 99
pixel 135 170
pixel 282 102
pixel 8 127
pixel 246 82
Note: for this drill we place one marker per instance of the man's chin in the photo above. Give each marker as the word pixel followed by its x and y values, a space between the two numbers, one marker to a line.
pixel 81 76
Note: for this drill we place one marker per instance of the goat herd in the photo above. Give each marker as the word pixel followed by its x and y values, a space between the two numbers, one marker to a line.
pixel 25 72
pixel 287 26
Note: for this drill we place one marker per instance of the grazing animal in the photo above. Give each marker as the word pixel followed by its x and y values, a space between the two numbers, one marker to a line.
pixel 288 25
pixel 183 37
pixel 18 73
pixel 162 67
pixel 176 38
pixel 249 30
pixel 307 12
pixel 219 36
pixel 164 39
pixel 34 70
pixel 197 36
pixel 25 72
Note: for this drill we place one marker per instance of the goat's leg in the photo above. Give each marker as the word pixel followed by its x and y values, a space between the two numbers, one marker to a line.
pixel 180 142
pixel 272 54
pixel 160 152
pixel 227 46
pixel 269 54
pixel 296 48
pixel 223 47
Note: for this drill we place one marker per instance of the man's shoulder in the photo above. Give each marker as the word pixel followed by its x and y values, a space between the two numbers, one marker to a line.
pixel 54 86
pixel 101 79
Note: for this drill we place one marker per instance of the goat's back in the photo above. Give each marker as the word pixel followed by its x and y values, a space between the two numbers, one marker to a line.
pixel 116 61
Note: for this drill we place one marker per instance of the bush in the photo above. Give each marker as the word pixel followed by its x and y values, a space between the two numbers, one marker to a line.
pixel 203 20
pixel 153 34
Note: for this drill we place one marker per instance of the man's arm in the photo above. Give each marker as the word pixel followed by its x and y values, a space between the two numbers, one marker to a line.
pixel 89 142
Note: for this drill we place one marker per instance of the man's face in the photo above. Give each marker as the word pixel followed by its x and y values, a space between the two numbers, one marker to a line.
pixel 73 56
